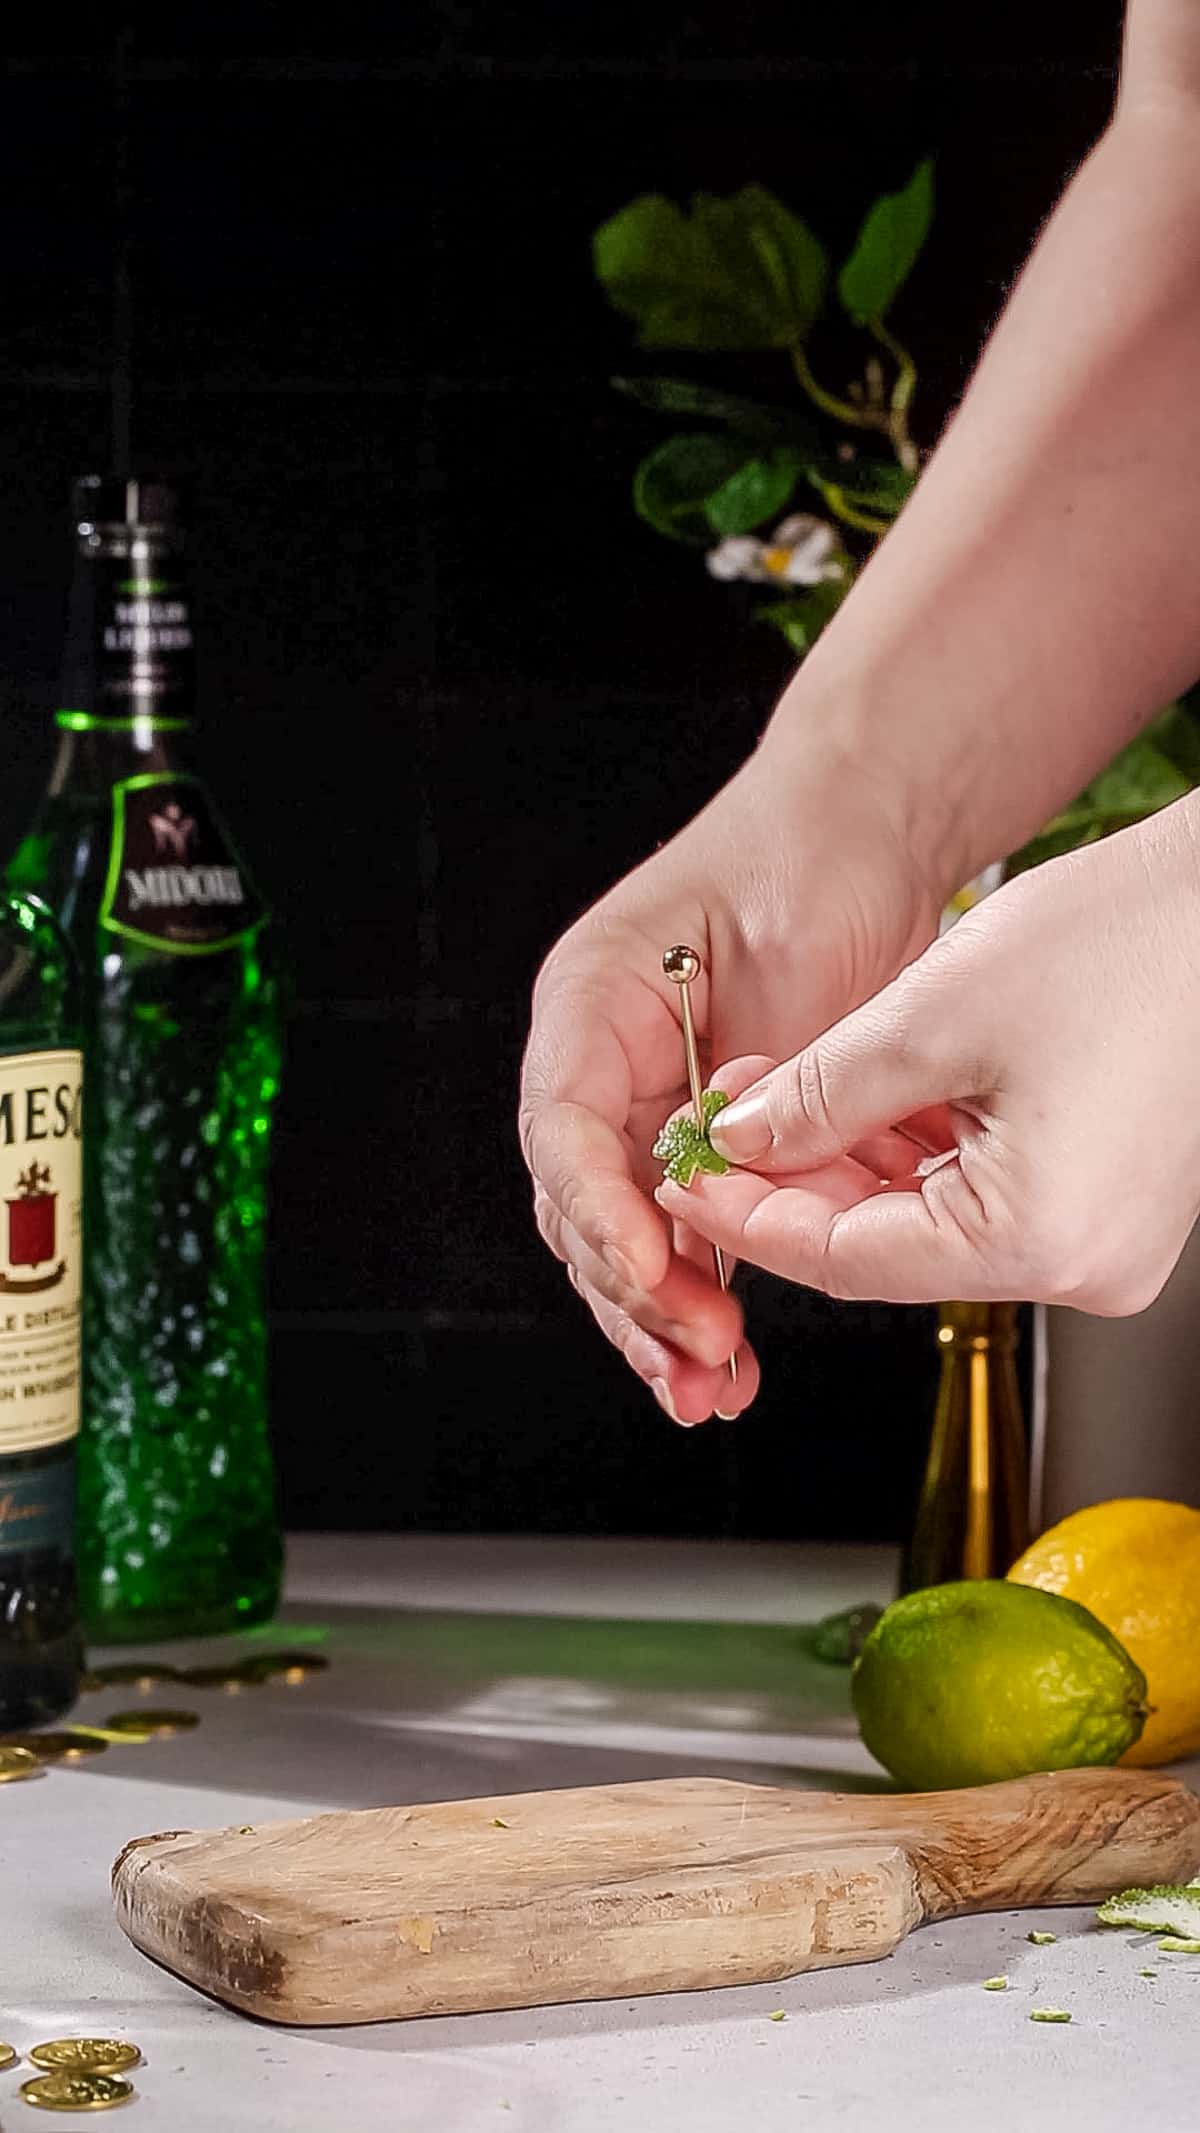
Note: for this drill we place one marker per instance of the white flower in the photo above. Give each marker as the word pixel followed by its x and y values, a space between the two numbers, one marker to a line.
pixel 972 893
pixel 801 551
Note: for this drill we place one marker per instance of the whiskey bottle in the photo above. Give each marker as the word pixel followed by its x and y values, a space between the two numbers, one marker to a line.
pixel 41 1187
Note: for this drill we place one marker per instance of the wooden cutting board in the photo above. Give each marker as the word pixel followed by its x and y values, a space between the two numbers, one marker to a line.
pixel 619 1889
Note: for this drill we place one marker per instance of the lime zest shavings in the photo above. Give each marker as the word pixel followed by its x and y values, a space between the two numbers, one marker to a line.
pixel 777 2014
pixel 995 1984
pixel 683 1147
pixel 1049 2014
pixel 1171 1944
pixel 1169 1907
pixel 1041 1940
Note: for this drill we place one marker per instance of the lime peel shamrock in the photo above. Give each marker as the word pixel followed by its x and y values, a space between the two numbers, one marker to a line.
pixel 683 1147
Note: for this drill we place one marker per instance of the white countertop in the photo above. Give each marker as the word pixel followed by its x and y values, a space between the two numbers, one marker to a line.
pixel 464 1666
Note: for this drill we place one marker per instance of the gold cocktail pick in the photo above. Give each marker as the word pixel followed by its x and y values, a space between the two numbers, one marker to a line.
pixel 682 966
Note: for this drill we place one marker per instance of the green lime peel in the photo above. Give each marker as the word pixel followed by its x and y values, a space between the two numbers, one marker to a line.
pixel 683 1147
pixel 1168 1907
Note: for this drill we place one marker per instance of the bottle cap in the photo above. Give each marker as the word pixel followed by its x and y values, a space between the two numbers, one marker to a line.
pixel 146 501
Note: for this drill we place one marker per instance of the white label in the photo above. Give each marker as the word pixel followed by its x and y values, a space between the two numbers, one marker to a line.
pixel 41 1207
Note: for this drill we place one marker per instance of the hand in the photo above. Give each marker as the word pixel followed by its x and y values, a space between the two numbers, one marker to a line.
pixel 799 889
pixel 1016 1116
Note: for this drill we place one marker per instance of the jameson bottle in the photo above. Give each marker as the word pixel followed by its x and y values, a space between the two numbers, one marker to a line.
pixel 177 1530
pixel 41 1185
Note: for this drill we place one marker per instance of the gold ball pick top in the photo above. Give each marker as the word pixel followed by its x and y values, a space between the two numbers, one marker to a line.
pixel 683 966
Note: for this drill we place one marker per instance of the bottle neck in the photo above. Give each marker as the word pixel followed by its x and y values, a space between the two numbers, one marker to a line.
pixel 128 668
pixel 977 1328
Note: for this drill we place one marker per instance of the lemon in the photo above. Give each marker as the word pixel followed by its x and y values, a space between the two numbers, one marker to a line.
pixel 964 1683
pixel 1136 1563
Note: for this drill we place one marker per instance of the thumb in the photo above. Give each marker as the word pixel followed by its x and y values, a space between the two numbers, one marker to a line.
pixel 889 1058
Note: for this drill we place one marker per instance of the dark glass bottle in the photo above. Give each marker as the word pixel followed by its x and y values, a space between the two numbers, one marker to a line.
pixel 973 1514
pixel 41 1184
pixel 178 1533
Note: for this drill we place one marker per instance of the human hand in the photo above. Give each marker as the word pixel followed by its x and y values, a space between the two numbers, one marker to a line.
pixel 1027 1089
pixel 799 887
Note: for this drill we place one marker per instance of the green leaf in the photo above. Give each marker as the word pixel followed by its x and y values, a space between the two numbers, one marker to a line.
pixel 1137 782
pixel 760 489
pixel 870 484
pixel 838 1639
pixel 887 247
pixel 802 619
pixel 682 396
pixel 673 485
pixel 650 266
pixel 1068 832
pixel 736 273
pixel 1176 734
pixel 1143 778
pixel 770 255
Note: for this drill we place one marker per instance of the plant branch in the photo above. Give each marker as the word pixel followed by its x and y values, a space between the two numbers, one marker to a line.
pixel 850 515
pixel 863 418
pixel 902 392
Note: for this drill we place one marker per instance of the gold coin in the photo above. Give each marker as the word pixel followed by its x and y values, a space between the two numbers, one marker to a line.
pixel 86 2055
pixel 133 1674
pixel 62 1746
pixel 9 2055
pixel 144 1725
pixel 17 1763
pixel 217 1677
pixel 286 1666
pixel 76 2092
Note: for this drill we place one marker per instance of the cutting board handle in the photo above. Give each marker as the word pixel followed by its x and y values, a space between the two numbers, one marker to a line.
pixel 1060 1837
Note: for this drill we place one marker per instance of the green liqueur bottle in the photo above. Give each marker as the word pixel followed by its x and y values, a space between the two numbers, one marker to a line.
pixel 41 1185
pixel 177 1532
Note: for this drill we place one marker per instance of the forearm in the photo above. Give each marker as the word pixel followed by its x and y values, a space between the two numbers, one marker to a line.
pixel 1038 600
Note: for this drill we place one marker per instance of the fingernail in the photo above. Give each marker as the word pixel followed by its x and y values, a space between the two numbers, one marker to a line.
pixel 662 1393
pixel 742 1130
pixel 929 1163
pixel 721 1415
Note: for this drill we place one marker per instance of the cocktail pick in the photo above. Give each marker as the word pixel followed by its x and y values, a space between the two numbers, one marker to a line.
pixel 683 966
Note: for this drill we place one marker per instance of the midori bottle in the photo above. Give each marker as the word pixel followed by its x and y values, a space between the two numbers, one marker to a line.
pixel 177 1531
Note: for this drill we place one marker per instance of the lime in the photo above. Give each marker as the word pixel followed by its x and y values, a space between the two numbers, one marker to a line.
pixel 966 1683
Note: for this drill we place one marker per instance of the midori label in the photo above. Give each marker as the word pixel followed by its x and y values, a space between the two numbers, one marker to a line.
pixel 41 1183
pixel 174 880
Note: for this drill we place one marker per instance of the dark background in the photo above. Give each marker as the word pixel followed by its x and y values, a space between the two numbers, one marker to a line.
pixel 451 687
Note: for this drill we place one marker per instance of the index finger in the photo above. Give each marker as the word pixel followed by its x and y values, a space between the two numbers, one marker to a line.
pixel 577 1097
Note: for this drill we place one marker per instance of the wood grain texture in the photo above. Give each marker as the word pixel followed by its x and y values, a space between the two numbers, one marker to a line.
pixel 618 1889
